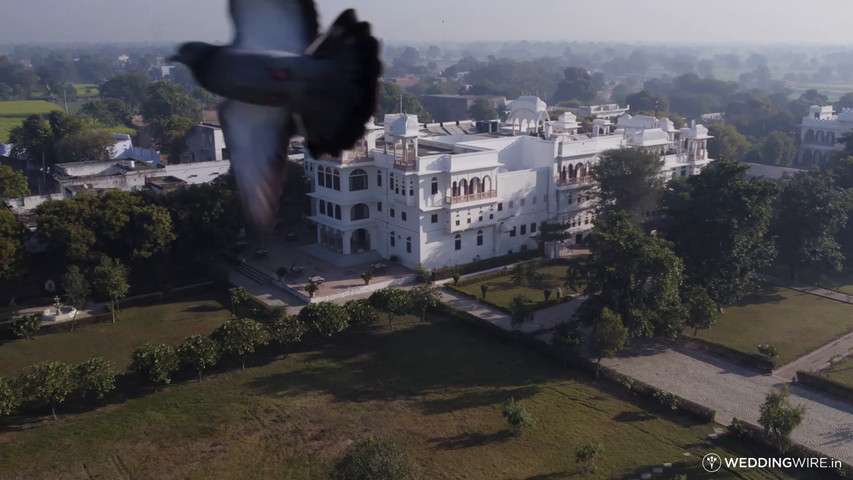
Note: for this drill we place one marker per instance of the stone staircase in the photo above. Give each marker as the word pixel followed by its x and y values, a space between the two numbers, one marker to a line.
pixel 253 273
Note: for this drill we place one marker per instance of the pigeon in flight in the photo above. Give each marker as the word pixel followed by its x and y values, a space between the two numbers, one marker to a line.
pixel 281 77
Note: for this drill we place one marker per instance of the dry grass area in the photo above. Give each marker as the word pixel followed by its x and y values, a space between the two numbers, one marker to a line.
pixel 436 388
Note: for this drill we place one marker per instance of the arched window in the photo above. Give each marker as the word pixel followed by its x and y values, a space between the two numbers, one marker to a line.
pixel 379 179
pixel 408 244
pixel 563 173
pixel 328 177
pixel 357 180
pixel 479 237
pixel 830 138
pixel 475 185
pixel 338 212
pixel 820 136
pixel 455 190
pixel 581 171
pixel 336 177
pixel 458 241
pixel 809 136
pixel 359 212
pixel 572 171
pixel 487 183
pixel 434 186
pixel 322 207
pixel 463 187
pixel 321 178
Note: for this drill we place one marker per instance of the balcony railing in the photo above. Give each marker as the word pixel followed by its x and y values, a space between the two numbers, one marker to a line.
pixel 567 182
pixel 470 198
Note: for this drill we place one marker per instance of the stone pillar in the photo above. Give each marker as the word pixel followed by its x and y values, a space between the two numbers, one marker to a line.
pixel 346 246
pixel 319 235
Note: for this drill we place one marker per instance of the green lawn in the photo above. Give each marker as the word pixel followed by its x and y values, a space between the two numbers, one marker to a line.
pixel 86 89
pixel 841 372
pixel 13 113
pixel 797 323
pixel 436 388
pixel 502 291
pixel 167 323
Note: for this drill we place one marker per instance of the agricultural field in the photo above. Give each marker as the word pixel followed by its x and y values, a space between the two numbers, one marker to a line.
pixel 13 113
pixel 436 388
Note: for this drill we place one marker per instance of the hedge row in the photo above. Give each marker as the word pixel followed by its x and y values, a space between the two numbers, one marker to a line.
pixel 753 361
pixel 825 385
pixel 489 263
pixel 643 390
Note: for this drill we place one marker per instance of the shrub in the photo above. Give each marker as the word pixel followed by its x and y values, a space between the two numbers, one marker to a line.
pixel 26 326
pixel 361 312
pixel 287 331
pixel 48 382
pixel 566 338
pixel 588 454
pixel 199 352
pixel 422 274
pixel 738 428
pixel 324 318
pixel 394 258
pixel 281 272
pixel 155 363
pixel 375 458
pixel 392 301
pixel 517 417
pixel 10 397
pixel 311 288
pixel 667 400
pixel 240 336
pixel 769 351
pixel 628 383
pixel 456 277
pixel 367 275
pixel 96 377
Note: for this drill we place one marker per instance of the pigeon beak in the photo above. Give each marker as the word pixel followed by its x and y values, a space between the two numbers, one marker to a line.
pixel 176 58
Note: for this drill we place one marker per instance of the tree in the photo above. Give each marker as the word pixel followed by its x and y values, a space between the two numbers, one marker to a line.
pixel 779 418
pixel 727 143
pixel 109 112
pixel 778 149
pixel 13 184
pixel 718 222
pixel 576 85
pixel 520 311
pixel 424 297
pixel 205 219
pixel 635 276
pixel 32 140
pixel 566 339
pixel 628 179
pixel 389 102
pixel 155 363
pixel 393 302
pixel 361 312
pixel 129 88
pixel 374 458
pixel 10 398
pixel 607 337
pixel 165 99
pixel 199 352
pixel 809 213
pixel 96 377
pixel 702 311
pixel 517 416
pixel 648 101
pixel 111 280
pixel 172 132
pixel 324 318
pixel 77 290
pixel 588 454
pixel 84 146
pixel 48 382
pixel 575 274
pixel 11 234
pixel 26 326
pixel 554 233
pixel 238 296
pixel 240 336
pixel 287 331
pixel 482 110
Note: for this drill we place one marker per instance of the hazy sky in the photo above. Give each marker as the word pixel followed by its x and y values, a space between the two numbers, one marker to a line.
pixel 398 21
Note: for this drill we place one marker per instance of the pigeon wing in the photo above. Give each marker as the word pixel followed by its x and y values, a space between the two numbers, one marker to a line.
pixel 289 25
pixel 257 139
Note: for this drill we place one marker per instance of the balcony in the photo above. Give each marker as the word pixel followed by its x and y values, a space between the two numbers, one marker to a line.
pixel 571 182
pixel 470 198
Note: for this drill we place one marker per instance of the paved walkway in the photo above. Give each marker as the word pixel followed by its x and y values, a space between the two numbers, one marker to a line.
pixel 733 391
pixel 820 358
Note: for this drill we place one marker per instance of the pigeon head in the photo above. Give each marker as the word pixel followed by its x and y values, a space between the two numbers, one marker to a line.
pixel 193 54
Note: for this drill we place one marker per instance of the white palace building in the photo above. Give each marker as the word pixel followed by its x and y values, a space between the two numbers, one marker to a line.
pixel 442 200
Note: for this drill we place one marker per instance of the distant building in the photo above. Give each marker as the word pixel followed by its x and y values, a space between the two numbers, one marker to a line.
pixel 820 133
pixel 123 149
pixel 718 117
pixel 610 110
pixel 205 143
pixel 129 175
pixel 160 185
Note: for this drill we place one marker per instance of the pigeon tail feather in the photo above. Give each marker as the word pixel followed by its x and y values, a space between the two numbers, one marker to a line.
pixel 341 105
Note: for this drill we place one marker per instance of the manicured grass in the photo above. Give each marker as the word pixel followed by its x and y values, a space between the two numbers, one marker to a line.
pixel 436 388
pixel 24 108
pixel 841 372
pixel 797 323
pixel 166 323
pixel 502 291
pixel 83 92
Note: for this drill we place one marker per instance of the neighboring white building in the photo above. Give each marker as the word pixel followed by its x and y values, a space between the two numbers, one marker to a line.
pixel 820 133
pixel 205 143
pixel 123 149
pixel 610 110
pixel 452 199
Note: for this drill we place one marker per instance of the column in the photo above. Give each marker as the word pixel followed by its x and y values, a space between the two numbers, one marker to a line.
pixel 346 245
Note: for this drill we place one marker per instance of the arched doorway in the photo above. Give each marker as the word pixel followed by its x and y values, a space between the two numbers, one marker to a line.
pixel 360 241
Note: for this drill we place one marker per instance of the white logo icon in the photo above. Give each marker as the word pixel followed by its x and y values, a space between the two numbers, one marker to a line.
pixel 712 462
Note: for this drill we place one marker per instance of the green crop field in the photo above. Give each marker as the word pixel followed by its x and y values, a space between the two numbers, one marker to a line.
pixel 13 113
